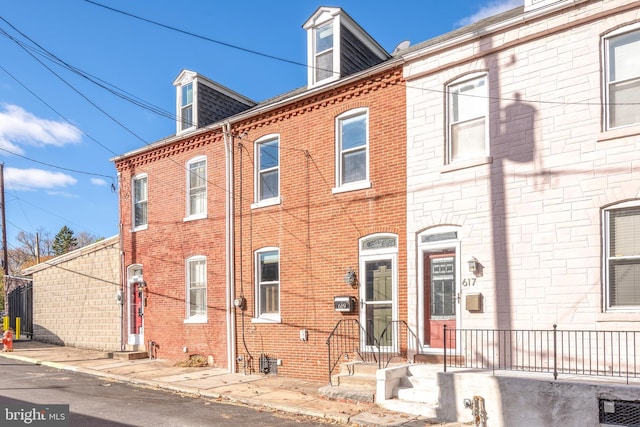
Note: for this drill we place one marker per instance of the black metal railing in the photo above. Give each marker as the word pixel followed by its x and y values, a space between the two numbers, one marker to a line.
pixel 406 343
pixel 345 342
pixel 348 338
pixel 568 352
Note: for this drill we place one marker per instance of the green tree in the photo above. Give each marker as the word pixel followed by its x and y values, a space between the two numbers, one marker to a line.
pixel 64 241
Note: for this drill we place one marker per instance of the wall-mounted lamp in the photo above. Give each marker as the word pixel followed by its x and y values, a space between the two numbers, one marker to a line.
pixel 350 278
pixel 474 265
pixel 138 283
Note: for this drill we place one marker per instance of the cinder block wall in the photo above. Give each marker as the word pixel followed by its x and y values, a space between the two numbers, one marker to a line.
pixel 74 298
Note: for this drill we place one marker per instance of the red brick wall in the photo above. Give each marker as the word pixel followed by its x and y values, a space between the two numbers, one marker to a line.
pixel 316 231
pixel 162 249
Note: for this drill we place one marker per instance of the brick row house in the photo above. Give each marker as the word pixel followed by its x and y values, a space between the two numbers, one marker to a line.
pixel 483 180
pixel 243 231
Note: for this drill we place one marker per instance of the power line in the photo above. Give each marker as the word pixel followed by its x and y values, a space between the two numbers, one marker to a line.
pixel 229 45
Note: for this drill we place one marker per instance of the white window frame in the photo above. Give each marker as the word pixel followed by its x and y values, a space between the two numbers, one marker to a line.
pixel 313 54
pixel 606 233
pixel 362 183
pixel 134 202
pixel 258 200
pixel 634 28
pixel 271 317
pixel 199 317
pixel 181 106
pixel 450 121
pixel 190 191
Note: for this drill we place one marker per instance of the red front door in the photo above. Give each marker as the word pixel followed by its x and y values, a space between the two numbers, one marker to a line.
pixel 440 298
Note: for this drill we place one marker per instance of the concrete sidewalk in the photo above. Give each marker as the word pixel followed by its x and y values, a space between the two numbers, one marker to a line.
pixel 272 392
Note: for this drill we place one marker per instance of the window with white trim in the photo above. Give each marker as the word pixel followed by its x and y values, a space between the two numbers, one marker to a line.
pixel 268 284
pixel 622 75
pixel 352 148
pixel 468 107
pixel 139 199
pixel 622 257
pixel 186 106
pixel 196 289
pixel 268 169
pixel 197 187
pixel 323 52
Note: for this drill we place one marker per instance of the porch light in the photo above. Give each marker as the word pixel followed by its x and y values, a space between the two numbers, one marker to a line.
pixel 350 278
pixel 473 265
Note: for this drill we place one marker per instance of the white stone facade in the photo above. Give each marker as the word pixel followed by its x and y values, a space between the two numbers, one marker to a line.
pixel 531 212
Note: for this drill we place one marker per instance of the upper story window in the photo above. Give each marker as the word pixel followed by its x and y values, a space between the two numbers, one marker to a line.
pixel 186 106
pixel 268 284
pixel 267 170
pixel 197 187
pixel 622 257
pixel 352 149
pixel 196 289
pixel 337 47
pixel 468 106
pixel 323 52
pixel 622 74
pixel 140 197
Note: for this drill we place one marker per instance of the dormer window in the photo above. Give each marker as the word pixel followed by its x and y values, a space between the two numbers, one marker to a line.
pixel 338 47
pixel 324 52
pixel 201 102
pixel 186 106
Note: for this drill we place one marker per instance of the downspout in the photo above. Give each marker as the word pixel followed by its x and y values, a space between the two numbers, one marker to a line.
pixel 122 269
pixel 230 248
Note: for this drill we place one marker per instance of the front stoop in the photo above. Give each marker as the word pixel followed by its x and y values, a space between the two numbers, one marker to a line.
pixel 356 382
pixel 412 389
pixel 129 355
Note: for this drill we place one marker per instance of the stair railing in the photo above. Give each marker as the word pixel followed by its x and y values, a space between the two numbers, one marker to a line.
pixel 389 347
pixel 345 342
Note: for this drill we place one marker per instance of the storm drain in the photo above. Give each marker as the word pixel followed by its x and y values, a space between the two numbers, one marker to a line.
pixel 619 413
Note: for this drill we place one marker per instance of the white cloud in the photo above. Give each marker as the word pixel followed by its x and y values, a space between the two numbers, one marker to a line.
pixel 493 7
pixel 34 179
pixel 98 181
pixel 19 127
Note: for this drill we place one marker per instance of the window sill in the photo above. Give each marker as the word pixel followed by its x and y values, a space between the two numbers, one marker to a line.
pixel 140 228
pixel 623 132
pixel 266 320
pixel 195 320
pixel 360 185
pixel 194 217
pixel 619 316
pixel 467 163
pixel 268 202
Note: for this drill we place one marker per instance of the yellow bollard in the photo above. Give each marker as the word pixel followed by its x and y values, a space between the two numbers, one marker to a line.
pixel 17 328
pixel 5 323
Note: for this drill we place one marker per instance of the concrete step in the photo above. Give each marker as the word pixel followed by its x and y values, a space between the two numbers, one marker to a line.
pixel 129 355
pixel 426 410
pixel 348 393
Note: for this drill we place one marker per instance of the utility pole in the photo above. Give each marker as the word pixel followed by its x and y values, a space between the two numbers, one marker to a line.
pixel 5 257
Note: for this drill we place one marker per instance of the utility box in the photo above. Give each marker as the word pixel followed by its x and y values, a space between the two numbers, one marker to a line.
pixel 473 302
pixel 345 304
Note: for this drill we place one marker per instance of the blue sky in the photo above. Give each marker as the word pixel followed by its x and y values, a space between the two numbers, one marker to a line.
pixel 58 129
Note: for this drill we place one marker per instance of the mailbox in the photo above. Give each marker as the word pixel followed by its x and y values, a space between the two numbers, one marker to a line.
pixel 345 304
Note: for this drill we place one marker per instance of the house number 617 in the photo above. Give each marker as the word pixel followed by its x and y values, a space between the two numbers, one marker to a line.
pixel 469 282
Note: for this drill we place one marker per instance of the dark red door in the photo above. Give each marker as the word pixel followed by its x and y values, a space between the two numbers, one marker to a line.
pixel 440 298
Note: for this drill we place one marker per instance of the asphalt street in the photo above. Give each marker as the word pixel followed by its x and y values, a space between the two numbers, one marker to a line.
pixel 100 402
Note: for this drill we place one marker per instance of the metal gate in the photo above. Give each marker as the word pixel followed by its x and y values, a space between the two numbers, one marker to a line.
pixel 20 304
